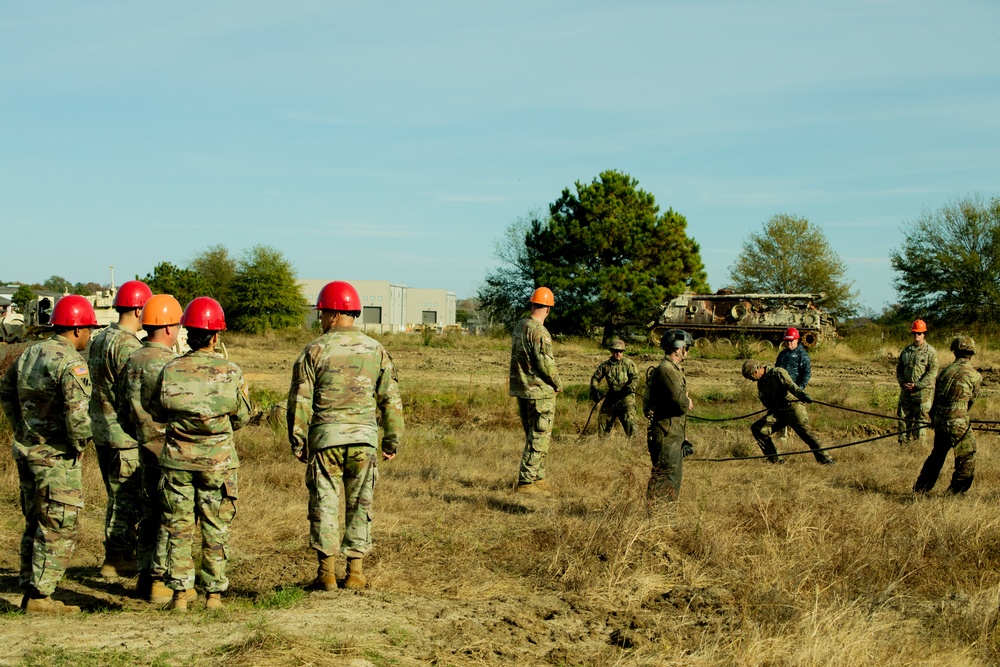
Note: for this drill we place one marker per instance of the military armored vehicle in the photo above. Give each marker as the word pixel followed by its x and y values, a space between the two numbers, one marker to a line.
pixel 726 315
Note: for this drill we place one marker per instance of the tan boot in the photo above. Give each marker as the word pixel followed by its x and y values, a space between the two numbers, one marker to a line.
pixel 355 575
pixel 159 593
pixel 326 578
pixel 533 489
pixel 47 605
pixel 118 564
pixel 179 602
pixel 213 601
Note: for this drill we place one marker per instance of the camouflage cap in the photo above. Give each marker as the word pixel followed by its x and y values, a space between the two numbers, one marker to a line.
pixel 750 367
pixel 617 345
pixel 963 344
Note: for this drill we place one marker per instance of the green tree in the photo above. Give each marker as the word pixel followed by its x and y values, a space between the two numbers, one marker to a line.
pixel 948 269
pixel 505 291
pixel 183 284
pixel 57 284
pixel 218 270
pixel 790 255
pixel 607 253
pixel 22 297
pixel 265 293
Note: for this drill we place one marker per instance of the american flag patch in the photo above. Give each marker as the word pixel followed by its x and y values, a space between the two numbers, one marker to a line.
pixel 80 370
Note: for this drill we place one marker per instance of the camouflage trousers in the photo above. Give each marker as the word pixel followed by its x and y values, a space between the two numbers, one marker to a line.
pixel 151 550
pixel 187 496
pixel 537 416
pixel 621 410
pixel 949 434
pixel 914 408
pixel 664 440
pixel 794 417
pixel 51 500
pixel 351 470
pixel 123 482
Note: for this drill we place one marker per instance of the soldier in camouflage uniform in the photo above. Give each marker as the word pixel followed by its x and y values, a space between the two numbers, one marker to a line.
pixel 623 380
pixel 666 403
pixel 161 318
pixel 117 452
pixel 915 372
pixel 776 391
pixel 202 398
pixel 955 390
pixel 343 387
pixel 535 382
pixel 45 396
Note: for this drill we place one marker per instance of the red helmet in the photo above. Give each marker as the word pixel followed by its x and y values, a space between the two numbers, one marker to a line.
pixel 132 294
pixel 792 334
pixel 204 312
pixel 338 295
pixel 73 310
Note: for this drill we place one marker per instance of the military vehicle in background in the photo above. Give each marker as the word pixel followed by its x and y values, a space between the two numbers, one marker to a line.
pixel 18 327
pixel 726 315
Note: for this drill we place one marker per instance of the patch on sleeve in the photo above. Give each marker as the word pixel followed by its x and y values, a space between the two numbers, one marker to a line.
pixel 80 370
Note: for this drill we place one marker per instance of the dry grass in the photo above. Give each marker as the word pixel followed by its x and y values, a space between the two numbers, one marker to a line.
pixel 756 565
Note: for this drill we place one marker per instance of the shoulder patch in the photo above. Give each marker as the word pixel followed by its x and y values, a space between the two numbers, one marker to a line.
pixel 80 370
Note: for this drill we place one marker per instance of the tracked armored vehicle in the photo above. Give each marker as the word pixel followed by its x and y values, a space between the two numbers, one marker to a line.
pixel 725 315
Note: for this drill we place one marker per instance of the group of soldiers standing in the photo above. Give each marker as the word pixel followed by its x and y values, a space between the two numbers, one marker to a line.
pixel 163 425
pixel 925 397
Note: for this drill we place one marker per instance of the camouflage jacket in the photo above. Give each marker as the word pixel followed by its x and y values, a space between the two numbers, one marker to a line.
pixel 202 398
pixel 343 386
pixel 955 390
pixel 776 389
pixel 622 377
pixel 109 351
pixel 45 395
pixel 533 371
pixel 666 393
pixel 135 391
pixel 797 363
pixel 919 365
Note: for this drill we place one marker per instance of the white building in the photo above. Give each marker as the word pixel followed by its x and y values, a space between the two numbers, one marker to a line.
pixel 390 308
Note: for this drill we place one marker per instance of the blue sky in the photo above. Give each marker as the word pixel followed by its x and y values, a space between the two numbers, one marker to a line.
pixel 398 140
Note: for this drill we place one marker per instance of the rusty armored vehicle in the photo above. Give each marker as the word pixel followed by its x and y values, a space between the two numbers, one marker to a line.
pixel 726 315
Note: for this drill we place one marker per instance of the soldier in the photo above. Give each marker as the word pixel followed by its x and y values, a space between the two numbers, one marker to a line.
pixel 954 393
pixel 202 398
pixel 776 391
pixel 666 403
pixel 117 452
pixel 45 396
pixel 915 372
pixel 535 382
pixel 619 403
pixel 343 386
pixel 160 319
pixel 794 359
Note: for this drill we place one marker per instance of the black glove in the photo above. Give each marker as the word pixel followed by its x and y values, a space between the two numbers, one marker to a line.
pixel 687 449
pixel 596 395
pixel 806 398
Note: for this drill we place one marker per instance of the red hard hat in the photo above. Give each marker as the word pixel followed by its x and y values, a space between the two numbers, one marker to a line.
pixel 204 312
pixel 132 294
pixel 73 310
pixel 338 295
pixel 543 297
pixel 919 326
pixel 792 334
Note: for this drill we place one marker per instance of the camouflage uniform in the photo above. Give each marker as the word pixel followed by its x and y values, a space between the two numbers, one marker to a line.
pixel 138 381
pixel 917 364
pixel 619 403
pixel 956 389
pixel 202 398
pixel 117 451
pixel 666 403
pixel 343 386
pixel 535 382
pixel 45 396
pixel 775 390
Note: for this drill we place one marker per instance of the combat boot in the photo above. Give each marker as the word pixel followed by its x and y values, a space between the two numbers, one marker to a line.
pixel 179 602
pixel 533 489
pixel 213 601
pixel 117 564
pixel 47 605
pixel 355 575
pixel 159 593
pixel 326 578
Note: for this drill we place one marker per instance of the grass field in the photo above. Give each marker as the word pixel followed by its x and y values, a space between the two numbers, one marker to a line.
pixel 755 564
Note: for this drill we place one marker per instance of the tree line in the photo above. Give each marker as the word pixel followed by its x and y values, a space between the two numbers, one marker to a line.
pixel 613 259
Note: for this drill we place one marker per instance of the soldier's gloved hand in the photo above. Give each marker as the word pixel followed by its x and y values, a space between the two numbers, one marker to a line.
pixel 596 395
pixel 687 449
pixel 806 398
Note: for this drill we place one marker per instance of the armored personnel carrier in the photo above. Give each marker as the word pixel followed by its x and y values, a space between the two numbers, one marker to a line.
pixel 726 315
